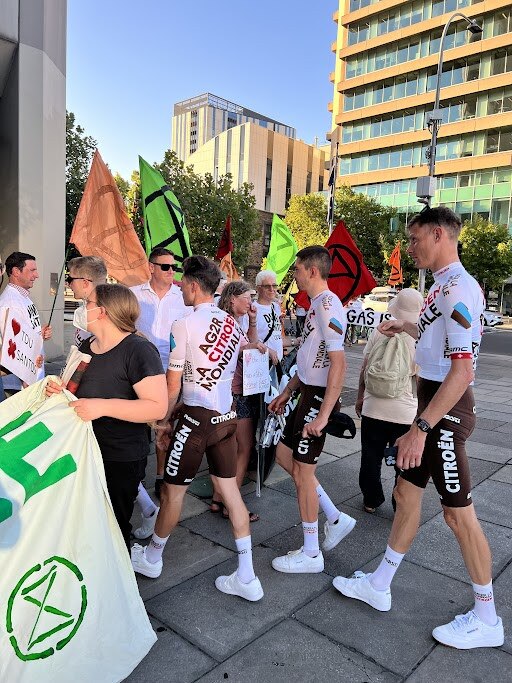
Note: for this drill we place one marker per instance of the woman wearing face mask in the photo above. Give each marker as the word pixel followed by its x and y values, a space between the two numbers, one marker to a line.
pixel 122 389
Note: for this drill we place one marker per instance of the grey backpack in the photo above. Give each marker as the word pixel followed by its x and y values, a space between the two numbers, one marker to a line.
pixel 388 369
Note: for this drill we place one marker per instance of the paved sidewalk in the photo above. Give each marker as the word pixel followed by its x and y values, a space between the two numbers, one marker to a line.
pixel 304 630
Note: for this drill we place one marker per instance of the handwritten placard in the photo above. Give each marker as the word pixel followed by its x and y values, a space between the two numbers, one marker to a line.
pixel 20 347
pixel 256 374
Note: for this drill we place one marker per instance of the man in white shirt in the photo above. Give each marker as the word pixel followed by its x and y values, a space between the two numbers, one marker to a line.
pixel 268 318
pixel 161 303
pixel 22 272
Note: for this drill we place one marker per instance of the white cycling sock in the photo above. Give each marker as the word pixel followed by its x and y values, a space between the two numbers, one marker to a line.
pixel 245 569
pixel 155 548
pixel 145 502
pixel 383 575
pixel 310 530
pixel 485 608
pixel 328 508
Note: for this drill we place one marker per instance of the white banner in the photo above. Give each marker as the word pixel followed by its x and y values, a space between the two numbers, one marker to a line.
pixel 365 317
pixel 70 610
pixel 21 346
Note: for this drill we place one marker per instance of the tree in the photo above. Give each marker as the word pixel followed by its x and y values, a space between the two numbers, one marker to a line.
pixel 123 186
pixel 487 251
pixel 367 221
pixel 79 152
pixel 207 203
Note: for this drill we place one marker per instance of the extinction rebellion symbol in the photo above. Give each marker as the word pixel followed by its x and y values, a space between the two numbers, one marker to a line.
pixel 46 609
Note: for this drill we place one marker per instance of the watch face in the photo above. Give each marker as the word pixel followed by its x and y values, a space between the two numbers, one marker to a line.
pixel 423 425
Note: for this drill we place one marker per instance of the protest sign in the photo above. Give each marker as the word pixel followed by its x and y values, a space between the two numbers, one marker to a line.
pixel 256 375
pixel 70 609
pixel 366 317
pixel 21 345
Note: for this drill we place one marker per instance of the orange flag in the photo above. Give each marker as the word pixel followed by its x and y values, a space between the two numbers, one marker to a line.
pixel 102 228
pixel 227 266
pixel 396 276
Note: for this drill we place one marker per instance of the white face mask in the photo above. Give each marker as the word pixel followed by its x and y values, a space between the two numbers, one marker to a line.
pixel 80 317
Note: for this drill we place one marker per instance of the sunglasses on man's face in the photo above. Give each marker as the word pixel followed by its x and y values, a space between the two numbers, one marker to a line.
pixel 70 279
pixel 164 266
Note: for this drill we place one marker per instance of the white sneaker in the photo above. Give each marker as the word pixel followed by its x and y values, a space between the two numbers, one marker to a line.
pixel 467 631
pixel 297 562
pixel 233 586
pixel 147 527
pixel 141 565
pixel 336 532
pixel 360 588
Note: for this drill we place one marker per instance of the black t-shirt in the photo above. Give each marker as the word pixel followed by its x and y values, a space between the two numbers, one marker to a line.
pixel 112 375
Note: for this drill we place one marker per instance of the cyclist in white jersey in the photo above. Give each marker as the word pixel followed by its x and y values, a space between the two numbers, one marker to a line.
pixel 204 352
pixel 319 378
pixel 448 333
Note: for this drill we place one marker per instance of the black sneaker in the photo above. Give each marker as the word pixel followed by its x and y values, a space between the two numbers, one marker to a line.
pixel 158 487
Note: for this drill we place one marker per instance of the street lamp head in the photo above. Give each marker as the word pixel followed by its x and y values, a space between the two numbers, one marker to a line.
pixel 474 28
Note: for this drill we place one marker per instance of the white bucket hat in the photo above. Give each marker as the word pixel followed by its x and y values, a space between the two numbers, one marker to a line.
pixel 406 305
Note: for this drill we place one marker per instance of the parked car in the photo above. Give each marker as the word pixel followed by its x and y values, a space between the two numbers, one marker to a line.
pixel 491 318
pixel 379 299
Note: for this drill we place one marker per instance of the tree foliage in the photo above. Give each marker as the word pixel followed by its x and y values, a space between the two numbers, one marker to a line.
pixel 487 251
pixel 79 152
pixel 367 221
pixel 207 203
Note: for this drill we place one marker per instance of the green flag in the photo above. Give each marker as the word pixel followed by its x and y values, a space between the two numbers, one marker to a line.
pixel 164 222
pixel 283 248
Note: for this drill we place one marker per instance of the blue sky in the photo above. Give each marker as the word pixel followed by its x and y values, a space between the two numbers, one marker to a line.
pixel 129 61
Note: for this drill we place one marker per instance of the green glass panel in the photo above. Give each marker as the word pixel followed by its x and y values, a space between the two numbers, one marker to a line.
pixel 464 193
pixel 483 191
pixel 502 190
pixel 447 196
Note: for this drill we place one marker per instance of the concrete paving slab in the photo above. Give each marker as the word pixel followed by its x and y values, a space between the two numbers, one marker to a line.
pixel 185 555
pixel 367 541
pixel 170 660
pixel 503 598
pixel 482 452
pixel 397 640
pixel 505 428
pixel 340 479
pixel 481 470
pixel 490 438
pixel 277 512
pixel 294 653
pixel 435 547
pixel 486 423
pixel 342 447
pixel 493 502
pixel 464 666
pixel 219 624
pixel 493 405
pixel 504 474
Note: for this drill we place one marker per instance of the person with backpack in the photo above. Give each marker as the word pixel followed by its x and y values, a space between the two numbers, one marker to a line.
pixel 386 402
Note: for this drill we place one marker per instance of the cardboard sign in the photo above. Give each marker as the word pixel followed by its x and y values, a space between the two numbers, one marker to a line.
pixel 256 374
pixel 21 346
pixel 366 317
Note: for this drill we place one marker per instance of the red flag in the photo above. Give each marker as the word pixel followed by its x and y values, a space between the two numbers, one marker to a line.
pixel 349 276
pixel 225 244
pixel 396 276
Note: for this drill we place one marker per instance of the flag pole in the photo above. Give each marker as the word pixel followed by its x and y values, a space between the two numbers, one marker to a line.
pixel 59 281
pixel 332 182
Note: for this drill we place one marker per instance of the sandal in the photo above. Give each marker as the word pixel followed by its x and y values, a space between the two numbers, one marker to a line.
pixel 369 509
pixel 216 506
pixel 253 517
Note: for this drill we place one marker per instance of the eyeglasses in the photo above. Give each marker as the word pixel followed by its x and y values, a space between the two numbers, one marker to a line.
pixel 70 279
pixel 164 266
pixel 268 286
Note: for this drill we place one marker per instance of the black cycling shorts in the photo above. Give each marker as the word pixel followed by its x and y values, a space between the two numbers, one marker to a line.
pixel 305 450
pixel 444 457
pixel 199 431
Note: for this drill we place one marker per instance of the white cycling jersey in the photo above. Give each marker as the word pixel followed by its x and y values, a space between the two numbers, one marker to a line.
pixel 324 331
pixel 205 347
pixel 449 324
pixel 268 326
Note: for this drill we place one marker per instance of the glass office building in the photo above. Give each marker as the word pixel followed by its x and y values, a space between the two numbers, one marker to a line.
pixel 384 85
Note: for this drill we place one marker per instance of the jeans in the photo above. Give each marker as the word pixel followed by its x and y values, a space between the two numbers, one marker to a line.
pixel 375 436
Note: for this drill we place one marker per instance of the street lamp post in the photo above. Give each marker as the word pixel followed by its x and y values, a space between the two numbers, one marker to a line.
pixel 426 185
